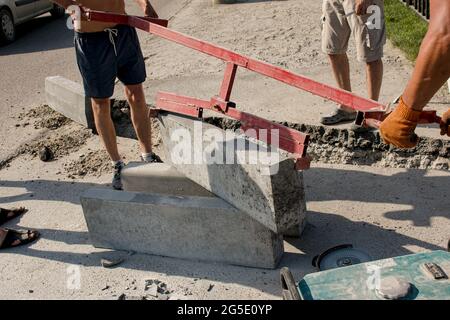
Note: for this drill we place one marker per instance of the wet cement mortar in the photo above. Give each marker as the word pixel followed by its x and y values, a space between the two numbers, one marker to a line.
pixel 344 146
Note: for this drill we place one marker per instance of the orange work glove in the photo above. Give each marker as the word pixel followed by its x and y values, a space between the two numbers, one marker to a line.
pixel 445 124
pixel 398 128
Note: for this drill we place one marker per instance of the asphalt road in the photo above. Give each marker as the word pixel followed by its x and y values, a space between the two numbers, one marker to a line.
pixel 44 48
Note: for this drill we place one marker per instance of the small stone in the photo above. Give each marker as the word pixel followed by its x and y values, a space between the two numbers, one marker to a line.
pixel 113 258
pixel 152 290
pixel 30 291
pixel 45 154
pixel 106 263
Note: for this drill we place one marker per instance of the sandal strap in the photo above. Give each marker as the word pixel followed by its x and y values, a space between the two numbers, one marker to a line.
pixel 4 214
pixel 24 237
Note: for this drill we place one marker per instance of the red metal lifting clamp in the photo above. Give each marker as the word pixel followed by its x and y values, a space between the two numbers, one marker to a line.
pixel 290 140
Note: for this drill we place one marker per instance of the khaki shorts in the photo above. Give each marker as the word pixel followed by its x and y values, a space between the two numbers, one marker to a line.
pixel 339 21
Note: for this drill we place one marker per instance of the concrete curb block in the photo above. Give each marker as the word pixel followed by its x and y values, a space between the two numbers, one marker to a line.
pixel 196 228
pixel 277 200
pixel 163 179
pixel 68 98
pixel 159 178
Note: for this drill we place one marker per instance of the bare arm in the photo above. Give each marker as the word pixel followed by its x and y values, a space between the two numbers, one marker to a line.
pixel 432 68
pixel 148 9
pixel 430 73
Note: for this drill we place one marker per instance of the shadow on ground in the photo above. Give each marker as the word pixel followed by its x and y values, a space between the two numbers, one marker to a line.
pixel 323 231
pixel 43 33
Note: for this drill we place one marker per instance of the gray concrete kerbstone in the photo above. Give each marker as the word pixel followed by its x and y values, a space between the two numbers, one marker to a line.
pixel 68 98
pixel 159 178
pixel 188 227
pixel 165 179
pixel 276 200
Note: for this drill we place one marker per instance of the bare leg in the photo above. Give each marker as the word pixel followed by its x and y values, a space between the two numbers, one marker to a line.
pixel 341 71
pixel 139 116
pixel 105 126
pixel 432 65
pixel 374 72
pixel 2 235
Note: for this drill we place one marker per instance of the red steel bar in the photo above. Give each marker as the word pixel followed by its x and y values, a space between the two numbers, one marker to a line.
pixel 228 81
pixel 172 106
pixel 182 99
pixel 238 115
pixel 289 140
pixel 159 28
pixel 337 95
pixel 374 118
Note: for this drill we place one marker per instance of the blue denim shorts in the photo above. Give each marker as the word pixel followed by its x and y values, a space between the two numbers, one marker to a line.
pixel 104 56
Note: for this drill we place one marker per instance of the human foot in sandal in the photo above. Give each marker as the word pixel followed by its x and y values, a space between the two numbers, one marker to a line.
pixel 9 214
pixel 12 238
pixel 337 116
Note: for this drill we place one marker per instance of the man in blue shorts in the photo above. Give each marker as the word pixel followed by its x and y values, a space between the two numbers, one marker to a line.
pixel 106 51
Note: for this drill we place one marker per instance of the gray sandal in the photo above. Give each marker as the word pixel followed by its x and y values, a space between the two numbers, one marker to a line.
pixel 338 116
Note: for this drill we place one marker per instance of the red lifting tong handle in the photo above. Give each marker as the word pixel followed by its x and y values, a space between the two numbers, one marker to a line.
pixel 374 118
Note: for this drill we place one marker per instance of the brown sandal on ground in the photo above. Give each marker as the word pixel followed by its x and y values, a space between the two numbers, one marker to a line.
pixel 9 214
pixel 15 238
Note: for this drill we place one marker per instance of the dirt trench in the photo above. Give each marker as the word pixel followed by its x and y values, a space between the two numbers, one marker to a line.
pixel 344 146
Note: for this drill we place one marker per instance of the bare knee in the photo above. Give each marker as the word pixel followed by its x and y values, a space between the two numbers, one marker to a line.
pixel 374 63
pixel 337 57
pixel 134 92
pixel 100 107
pixel 375 66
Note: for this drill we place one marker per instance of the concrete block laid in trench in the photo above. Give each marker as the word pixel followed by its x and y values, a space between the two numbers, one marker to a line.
pixel 68 98
pixel 188 227
pixel 276 200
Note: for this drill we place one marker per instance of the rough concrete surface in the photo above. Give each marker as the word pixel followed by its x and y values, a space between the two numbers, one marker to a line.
pixel 187 227
pixel 159 178
pixel 265 183
pixel 164 179
pixel 386 211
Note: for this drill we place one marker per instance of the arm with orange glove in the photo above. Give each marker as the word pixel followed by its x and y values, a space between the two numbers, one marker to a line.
pixel 431 72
